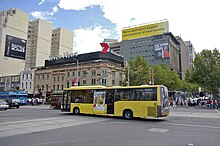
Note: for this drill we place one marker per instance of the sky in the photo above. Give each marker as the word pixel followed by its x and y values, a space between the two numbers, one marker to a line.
pixel 92 21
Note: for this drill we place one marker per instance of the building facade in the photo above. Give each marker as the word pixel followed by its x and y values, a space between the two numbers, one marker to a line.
pixel 84 69
pixel 158 49
pixel 38 43
pixel 10 83
pixel 184 58
pixel 62 42
pixel 27 81
pixel 13 36
pixel 191 51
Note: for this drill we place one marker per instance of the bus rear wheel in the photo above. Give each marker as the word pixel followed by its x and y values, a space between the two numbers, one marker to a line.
pixel 128 114
pixel 76 111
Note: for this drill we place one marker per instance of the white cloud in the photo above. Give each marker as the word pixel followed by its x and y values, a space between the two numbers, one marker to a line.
pixel 47 15
pixel 42 1
pixel 193 20
pixel 89 39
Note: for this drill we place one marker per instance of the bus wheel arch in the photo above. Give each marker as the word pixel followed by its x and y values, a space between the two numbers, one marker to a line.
pixel 128 114
pixel 76 111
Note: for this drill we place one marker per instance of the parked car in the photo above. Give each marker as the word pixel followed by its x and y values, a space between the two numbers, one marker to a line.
pixel 3 105
pixel 13 103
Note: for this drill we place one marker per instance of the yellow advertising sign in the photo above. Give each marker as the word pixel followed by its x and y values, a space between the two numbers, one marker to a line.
pixel 145 30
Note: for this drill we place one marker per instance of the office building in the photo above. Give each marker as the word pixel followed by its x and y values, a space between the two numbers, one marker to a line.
pixel 184 57
pixel 62 42
pixel 159 49
pixel 191 51
pixel 38 43
pixel 13 37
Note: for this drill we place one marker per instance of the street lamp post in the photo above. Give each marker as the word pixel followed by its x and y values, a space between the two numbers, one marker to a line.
pixel 128 75
pixel 77 68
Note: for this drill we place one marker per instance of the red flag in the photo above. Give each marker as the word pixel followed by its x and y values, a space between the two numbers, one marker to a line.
pixel 75 81
pixel 105 49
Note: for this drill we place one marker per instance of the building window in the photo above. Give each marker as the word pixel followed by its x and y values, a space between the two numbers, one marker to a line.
pixel 113 74
pixel 31 76
pixel 68 74
pixel 48 76
pixel 84 74
pixel 62 78
pixel 120 76
pixel 67 84
pixel 84 82
pixel 73 73
pixel 62 87
pixel 93 81
pixel 58 79
pixel 22 85
pixel 58 87
pixel 30 85
pixel 93 73
pixel 47 87
pixel 54 79
pixel 104 82
pixel 113 82
pixel 53 87
pixel 42 76
pixel 26 85
pixel 23 76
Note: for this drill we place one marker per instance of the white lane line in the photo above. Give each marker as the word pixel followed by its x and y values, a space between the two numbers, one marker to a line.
pixel 190 125
pixel 160 130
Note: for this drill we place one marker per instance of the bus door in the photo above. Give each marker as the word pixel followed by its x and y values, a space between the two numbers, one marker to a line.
pixel 66 99
pixel 110 102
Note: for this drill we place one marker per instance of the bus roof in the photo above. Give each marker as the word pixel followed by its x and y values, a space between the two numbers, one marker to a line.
pixel 112 87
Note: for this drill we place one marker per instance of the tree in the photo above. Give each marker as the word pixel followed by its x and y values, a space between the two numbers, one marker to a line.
pixel 138 72
pixel 206 70
pixel 165 76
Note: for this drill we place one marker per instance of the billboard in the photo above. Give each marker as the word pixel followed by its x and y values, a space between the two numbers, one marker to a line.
pixel 15 47
pixel 145 30
pixel 161 51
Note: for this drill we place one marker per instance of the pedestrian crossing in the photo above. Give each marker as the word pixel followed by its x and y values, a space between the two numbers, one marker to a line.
pixel 38 125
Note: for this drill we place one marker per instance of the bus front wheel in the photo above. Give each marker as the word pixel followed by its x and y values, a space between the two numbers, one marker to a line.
pixel 76 111
pixel 128 114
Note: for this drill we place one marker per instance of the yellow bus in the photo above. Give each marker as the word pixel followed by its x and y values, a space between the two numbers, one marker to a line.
pixel 128 101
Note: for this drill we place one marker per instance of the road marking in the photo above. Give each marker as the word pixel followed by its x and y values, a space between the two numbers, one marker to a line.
pixel 38 125
pixel 217 110
pixel 189 125
pixel 160 130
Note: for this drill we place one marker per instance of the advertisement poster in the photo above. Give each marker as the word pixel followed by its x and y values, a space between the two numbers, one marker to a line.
pixel 99 101
pixel 15 47
pixel 162 51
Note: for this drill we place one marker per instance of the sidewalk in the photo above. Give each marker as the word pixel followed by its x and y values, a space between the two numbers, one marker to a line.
pixel 39 106
pixel 194 112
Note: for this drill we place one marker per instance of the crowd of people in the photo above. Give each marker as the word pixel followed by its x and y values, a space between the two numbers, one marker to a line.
pixel 36 101
pixel 196 102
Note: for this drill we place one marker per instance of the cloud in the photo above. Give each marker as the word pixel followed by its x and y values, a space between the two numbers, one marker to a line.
pixel 78 4
pixel 42 1
pixel 47 15
pixel 89 39
pixel 197 22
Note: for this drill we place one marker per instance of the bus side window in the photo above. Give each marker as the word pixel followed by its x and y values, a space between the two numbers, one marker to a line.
pixel 117 96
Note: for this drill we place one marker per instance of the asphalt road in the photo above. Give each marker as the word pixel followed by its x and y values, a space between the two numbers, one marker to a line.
pixel 42 126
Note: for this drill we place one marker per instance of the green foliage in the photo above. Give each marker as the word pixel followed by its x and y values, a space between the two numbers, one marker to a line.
pixel 138 72
pixel 206 70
